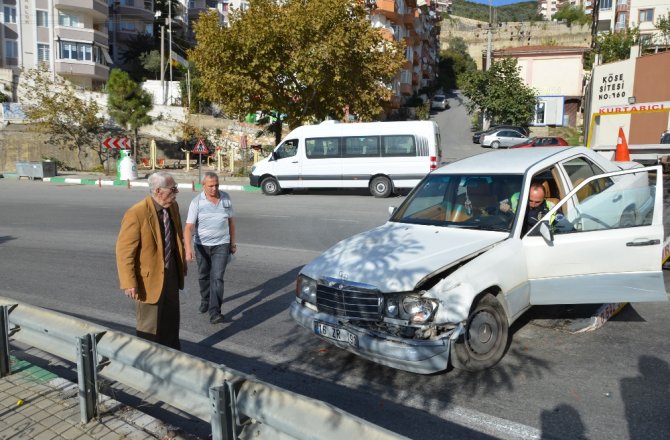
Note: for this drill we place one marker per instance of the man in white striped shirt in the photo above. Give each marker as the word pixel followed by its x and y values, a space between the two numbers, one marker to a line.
pixel 210 222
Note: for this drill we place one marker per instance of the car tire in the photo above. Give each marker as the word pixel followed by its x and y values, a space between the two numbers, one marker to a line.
pixel 270 186
pixel 485 338
pixel 381 187
pixel 495 144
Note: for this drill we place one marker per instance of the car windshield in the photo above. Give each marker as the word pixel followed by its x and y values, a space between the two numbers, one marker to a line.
pixel 461 201
pixel 439 97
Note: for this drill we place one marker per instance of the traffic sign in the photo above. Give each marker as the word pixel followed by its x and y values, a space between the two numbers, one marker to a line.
pixel 200 147
pixel 117 143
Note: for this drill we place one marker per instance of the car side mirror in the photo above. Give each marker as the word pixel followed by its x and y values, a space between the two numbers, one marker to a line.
pixel 545 231
pixel 392 210
pixel 273 156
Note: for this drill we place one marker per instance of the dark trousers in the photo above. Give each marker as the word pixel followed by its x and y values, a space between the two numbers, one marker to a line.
pixel 160 322
pixel 212 262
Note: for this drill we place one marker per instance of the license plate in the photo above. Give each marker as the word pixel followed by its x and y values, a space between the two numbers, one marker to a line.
pixel 335 333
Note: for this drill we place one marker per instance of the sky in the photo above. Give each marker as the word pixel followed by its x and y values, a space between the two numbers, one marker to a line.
pixel 498 2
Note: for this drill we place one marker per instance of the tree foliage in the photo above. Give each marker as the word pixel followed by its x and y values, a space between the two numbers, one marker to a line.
pixel 663 26
pixel 616 46
pixel 136 48
pixel 572 14
pixel 500 93
pixel 71 122
pixel 454 62
pixel 128 104
pixel 522 11
pixel 307 59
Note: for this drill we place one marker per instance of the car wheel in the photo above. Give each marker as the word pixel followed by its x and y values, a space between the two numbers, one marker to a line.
pixel 485 339
pixel 381 187
pixel 270 186
pixel 495 144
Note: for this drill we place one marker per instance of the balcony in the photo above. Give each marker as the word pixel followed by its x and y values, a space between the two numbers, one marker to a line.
pixel 82 34
pixel 134 9
pixel 387 8
pixel 96 8
pixel 405 89
pixel 623 7
pixel 82 69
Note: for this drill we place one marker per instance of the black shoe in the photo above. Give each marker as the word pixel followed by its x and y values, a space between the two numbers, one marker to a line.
pixel 203 308
pixel 216 319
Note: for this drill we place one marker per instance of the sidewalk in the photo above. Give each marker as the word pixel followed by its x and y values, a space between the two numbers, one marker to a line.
pixel 185 179
pixel 37 404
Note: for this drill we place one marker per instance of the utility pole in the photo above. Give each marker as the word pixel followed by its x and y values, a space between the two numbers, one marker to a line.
pixel 489 44
pixel 170 52
pixel 163 64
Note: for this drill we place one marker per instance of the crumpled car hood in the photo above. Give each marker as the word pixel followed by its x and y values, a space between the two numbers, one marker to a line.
pixel 394 257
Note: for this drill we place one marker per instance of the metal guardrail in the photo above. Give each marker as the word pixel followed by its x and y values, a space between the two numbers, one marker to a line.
pixel 236 405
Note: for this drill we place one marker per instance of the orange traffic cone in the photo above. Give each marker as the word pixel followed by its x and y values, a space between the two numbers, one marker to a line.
pixel 621 154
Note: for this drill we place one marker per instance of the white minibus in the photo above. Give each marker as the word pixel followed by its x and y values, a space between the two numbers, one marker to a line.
pixel 381 156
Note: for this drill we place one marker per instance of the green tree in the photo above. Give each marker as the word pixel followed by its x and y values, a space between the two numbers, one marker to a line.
pixel 663 26
pixel 56 109
pixel 131 58
pixel 305 59
pixel 500 93
pixel 572 14
pixel 454 62
pixel 128 104
pixel 151 62
pixel 616 46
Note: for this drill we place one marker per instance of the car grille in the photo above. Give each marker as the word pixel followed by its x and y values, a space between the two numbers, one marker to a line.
pixel 348 300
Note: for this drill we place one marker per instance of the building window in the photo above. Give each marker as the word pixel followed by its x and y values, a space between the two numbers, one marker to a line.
pixel 43 53
pixel 76 51
pixel 12 52
pixel 128 2
pixel 128 26
pixel 539 113
pixel 10 14
pixel 42 19
pixel 69 20
pixel 605 5
pixel 646 15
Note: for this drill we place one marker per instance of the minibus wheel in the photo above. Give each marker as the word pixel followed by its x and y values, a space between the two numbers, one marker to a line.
pixel 270 186
pixel 381 187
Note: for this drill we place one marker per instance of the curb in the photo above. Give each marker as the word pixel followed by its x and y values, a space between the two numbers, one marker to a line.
pixel 135 184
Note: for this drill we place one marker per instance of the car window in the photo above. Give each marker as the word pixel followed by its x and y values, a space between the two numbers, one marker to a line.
pixel 609 203
pixel 464 201
pixel 581 168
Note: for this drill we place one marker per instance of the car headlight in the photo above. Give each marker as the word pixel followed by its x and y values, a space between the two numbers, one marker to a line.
pixel 305 288
pixel 412 308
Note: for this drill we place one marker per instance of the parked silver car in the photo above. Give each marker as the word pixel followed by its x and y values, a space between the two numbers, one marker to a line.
pixel 439 102
pixel 504 137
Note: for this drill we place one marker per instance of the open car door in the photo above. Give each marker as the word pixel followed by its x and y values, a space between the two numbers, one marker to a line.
pixel 602 243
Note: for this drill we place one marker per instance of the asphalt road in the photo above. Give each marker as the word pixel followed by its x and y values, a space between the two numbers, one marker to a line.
pixel 57 251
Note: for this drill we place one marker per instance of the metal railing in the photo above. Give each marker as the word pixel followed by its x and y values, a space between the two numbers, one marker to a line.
pixel 236 405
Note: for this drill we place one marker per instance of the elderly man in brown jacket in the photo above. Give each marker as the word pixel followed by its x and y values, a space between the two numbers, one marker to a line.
pixel 150 261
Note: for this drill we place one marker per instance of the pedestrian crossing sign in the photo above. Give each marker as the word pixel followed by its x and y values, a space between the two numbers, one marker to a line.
pixel 200 147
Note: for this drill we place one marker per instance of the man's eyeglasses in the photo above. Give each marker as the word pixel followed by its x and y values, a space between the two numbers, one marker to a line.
pixel 173 189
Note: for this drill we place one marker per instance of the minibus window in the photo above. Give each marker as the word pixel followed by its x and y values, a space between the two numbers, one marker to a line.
pixel 361 146
pixel 398 146
pixel 288 149
pixel 322 148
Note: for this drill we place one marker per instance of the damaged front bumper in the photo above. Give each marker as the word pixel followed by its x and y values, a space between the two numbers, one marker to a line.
pixel 414 355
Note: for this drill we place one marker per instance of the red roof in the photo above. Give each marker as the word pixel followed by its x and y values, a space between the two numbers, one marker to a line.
pixel 539 50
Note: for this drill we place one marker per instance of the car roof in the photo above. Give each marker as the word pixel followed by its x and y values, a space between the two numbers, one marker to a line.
pixel 513 161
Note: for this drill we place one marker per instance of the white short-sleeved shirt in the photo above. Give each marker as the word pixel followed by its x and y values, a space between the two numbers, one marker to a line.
pixel 210 220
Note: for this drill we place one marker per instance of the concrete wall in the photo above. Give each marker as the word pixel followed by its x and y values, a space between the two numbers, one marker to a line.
pixel 511 34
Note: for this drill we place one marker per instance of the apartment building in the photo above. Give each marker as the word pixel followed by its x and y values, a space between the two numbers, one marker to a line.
pixel 417 23
pixel 67 36
pixel 127 19
pixel 618 15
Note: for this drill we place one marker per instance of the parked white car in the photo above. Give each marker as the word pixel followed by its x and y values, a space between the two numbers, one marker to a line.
pixel 444 279
pixel 439 102
pixel 503 138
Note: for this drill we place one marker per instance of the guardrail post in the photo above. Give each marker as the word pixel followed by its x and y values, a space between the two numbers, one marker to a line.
pixel 224 411
pixel 5 368
pixel 86 375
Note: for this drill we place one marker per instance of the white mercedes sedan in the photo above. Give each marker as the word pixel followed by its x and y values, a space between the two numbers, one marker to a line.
pixel 444 279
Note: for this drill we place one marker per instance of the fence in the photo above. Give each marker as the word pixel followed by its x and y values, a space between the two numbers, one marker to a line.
pixel 236 405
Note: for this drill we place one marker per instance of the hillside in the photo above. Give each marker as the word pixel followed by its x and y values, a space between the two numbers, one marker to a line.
pixel 526 11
